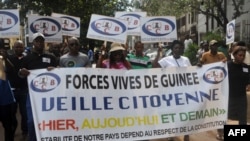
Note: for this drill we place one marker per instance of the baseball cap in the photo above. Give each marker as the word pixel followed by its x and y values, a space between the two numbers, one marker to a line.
pixel 212 42
pixel 38 34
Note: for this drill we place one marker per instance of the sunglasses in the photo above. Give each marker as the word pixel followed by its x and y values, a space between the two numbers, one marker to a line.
pixel 117 53
pixel 39 40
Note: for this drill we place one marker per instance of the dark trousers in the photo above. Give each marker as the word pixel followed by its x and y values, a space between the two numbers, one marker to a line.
pixel 7 121
pixel 21 97
pixel 237 109
pixel 30 122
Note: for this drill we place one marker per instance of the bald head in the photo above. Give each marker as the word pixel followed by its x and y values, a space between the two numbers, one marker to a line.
pixel 18 47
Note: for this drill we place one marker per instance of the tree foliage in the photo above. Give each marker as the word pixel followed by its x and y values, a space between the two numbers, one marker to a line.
pixel 78 8
pixel 161 7
pixel 212 8
pixel 191 53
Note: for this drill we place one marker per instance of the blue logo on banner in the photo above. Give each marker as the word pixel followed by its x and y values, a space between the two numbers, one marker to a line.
pixel 133 22
pixel 69 23
pixel 9 21
pixel 108 26
pixel 45 82
pixel 158 27
pixel 230 30
pixel 49 27
pixel 215 75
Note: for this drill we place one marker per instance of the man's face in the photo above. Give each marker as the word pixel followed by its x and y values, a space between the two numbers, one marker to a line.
pixel 178 50
pixel 2 51
pixel 55 48
pixel 214 47
pixel 18 48
pixel 139 48
pixel 39 44
pixel 205 46
pixel 73 45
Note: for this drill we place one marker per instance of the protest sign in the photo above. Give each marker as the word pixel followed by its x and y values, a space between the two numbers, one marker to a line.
pixel 158 29
pixel 9 23
pixel 134 21
pixel 107 29
pixel 50 27
pixel 70 24
pixel 87 104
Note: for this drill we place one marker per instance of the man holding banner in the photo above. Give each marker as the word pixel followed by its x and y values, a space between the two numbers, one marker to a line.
pixel 36 60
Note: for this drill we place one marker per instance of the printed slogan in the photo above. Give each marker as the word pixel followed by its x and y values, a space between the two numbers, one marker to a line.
pixel 90 104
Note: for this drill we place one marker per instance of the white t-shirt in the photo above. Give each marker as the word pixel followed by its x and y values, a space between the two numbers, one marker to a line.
pixel 187 42
pixel 81 60
pixel 170 61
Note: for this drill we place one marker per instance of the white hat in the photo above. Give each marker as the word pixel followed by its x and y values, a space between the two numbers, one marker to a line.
pixel 38 34
pixel 115 47
pixel 213 42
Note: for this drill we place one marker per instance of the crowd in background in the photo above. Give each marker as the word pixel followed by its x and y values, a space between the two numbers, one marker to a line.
pixel 16 66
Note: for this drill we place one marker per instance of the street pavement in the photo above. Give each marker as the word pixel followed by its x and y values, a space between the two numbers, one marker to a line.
pixel 204 136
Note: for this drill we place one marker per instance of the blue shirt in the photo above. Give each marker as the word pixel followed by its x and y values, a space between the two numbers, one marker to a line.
pixel 6 95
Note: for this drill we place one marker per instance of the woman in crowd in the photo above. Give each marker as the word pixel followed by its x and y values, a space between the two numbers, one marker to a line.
pixel 239 81
pixel 116 59
pixel 174 60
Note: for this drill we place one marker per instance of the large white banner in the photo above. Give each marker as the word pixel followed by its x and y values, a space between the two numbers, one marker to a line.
pixel 9 23
pixel 70 24
pixel 107 29
pixel 158 29
pixel 86 104
pixel 133 19
pixel 50 27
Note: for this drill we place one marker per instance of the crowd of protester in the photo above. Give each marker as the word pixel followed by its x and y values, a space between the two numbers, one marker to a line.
pixel 15 68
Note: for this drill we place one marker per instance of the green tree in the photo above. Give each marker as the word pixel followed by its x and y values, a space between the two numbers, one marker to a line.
pixel 191 53
pixel 213 8
pixel 212 36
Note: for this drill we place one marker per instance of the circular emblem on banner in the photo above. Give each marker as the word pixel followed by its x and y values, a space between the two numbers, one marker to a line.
pixel 230 30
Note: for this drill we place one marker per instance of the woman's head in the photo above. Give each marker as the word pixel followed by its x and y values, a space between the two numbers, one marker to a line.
pixel 239 53
pixel 116 52
pixel 177 48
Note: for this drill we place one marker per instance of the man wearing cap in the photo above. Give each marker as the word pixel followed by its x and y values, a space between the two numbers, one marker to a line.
pixel 37 59
pixel 212 55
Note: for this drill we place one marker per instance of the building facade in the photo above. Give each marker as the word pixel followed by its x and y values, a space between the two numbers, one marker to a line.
pixel 197 24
